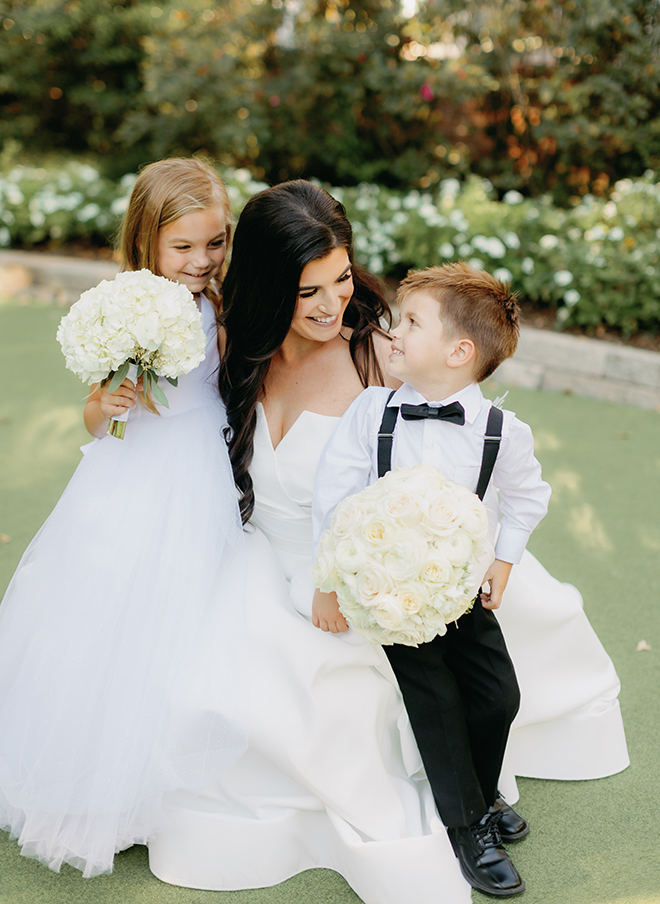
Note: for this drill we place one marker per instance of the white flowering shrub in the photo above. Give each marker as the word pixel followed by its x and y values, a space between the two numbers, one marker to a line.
pixel 595 264
pixel 40 204
pixel 56 204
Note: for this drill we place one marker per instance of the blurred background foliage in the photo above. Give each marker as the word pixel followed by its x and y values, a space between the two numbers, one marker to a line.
pixel 558 96
pixel 521 135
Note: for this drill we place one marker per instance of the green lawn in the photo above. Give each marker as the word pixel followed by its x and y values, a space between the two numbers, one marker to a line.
pixel 592 842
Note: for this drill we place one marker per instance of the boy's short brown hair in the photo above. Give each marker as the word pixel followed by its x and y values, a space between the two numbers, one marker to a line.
pixel 473 304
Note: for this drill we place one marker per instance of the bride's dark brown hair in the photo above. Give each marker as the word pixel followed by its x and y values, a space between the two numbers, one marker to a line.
pixel 279 232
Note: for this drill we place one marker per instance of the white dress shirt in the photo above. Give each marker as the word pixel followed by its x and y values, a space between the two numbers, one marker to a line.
pixel 517 497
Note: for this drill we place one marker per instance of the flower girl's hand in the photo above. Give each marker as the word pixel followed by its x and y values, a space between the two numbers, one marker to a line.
pixel 498 576
pixel 115 403
pixel 326 614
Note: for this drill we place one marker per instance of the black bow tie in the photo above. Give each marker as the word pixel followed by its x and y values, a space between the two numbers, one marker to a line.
pixel 455 413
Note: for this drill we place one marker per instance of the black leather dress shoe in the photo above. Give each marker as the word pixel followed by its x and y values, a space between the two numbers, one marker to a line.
pixel 511 825
pixel 483 861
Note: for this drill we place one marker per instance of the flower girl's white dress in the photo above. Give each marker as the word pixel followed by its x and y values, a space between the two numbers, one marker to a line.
pixel 119 635
pixel 332 776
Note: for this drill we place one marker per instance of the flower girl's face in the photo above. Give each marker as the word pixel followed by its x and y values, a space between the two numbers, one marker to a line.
pixel 326 287
pixel 192 249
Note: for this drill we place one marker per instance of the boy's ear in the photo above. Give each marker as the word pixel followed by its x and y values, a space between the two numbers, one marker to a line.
pixel 463 353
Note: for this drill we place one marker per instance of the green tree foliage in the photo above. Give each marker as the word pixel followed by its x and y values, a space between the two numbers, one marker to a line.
pixel 313 87
pixel 201 78
pixel 356 109
pixel 69 72
pixel 566 92
pixel 537 95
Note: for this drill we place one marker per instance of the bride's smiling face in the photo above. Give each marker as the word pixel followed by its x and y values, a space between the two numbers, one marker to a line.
pixel 326 287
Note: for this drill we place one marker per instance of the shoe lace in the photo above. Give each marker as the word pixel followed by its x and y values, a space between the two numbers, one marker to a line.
pixel 486 832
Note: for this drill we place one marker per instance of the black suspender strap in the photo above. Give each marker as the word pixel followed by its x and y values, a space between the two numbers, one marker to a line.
pixel 492 441
pixel 386 437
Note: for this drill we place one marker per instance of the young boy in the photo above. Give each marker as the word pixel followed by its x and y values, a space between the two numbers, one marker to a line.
pixel 457 325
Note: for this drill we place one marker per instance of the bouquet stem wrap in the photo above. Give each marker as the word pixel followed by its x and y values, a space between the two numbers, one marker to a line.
pixel 117 424
pixel 406 556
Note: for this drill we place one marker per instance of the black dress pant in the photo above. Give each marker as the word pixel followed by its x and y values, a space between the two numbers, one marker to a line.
pixel 462 695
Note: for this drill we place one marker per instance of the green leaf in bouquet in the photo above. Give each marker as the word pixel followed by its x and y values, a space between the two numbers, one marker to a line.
pixel 118 377
pixel 158 393
pixel 173 381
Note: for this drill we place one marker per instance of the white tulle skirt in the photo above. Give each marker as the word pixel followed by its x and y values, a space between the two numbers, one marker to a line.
pixel 120 644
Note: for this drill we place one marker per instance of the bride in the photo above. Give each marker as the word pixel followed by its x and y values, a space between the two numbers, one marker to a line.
pixel 332 777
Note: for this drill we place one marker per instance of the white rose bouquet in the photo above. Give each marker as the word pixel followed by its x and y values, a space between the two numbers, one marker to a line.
pixel 136 324
pixel 406 556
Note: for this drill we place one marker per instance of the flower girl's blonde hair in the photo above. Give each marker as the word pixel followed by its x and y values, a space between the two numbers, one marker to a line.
pixel 164 192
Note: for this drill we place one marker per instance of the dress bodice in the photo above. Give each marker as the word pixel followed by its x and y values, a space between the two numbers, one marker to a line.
pixel 283 479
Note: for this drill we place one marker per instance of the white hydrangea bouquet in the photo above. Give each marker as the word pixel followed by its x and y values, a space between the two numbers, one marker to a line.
pixel 406 556
pixel 136 324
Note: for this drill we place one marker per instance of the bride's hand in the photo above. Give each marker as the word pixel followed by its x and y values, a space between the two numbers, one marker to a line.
pixel 326 614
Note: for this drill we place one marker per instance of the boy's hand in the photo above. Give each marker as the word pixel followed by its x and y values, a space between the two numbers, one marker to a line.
pixel 498 576
pixel 326 614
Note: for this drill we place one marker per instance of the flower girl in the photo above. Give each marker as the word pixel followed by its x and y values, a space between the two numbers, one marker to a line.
pixel 111 695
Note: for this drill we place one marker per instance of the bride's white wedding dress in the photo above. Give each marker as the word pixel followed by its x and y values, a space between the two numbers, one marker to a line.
pixel 332 776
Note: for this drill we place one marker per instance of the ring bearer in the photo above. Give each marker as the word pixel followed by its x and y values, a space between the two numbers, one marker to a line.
pixel 457 326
